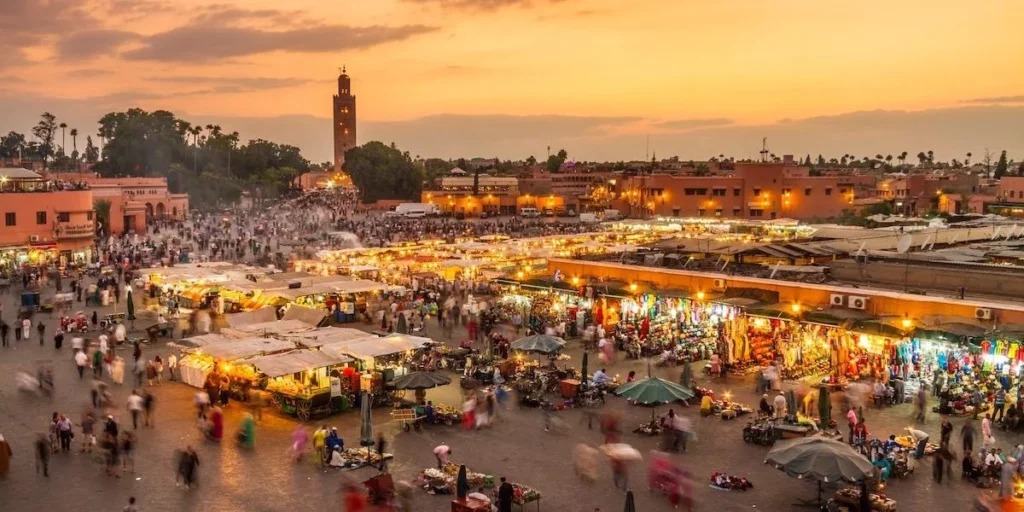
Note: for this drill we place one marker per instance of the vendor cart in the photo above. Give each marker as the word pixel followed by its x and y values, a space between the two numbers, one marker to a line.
pixel 159 330
pixel 305 406
pixel 30 300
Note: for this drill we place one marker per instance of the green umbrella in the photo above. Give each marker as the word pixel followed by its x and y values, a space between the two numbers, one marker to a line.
pixel 630 504
pixel 820 458
pixel 686 377
pixel 462 484
pixel 583 380
pixel 421 380
pixel 824 407
pixel 541 343
pixel 653 391
pixel 366 424
pixel 131 307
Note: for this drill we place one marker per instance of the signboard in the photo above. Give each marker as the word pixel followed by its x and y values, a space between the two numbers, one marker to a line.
pixel 73 230
pixel 335 387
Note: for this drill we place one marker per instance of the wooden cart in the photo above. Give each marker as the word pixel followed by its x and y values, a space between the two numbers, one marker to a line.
pixel 306 406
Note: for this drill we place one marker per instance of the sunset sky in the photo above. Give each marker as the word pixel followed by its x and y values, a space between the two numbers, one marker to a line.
pixel 509 77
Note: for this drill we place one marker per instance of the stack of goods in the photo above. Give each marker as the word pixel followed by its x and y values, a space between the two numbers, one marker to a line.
pixel 285 386
pixel 741 368
pixel 443 481
pixel 762 348
pixel 447 414
pixel 727 482
pixel 652 428
pixel 818 367
pixel 358 457
pixel 730 410
pixel 523 494
pixel 908 443
pixel 851 496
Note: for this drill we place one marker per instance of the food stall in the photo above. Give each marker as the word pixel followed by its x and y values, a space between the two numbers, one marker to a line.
pixel 224 356
pixel 379 359
pixel 306 383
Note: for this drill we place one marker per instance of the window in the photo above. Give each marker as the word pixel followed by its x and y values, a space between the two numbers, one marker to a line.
pixel 735 192
pixel 773 215
pixel 695 191
pixel 88 215
pixel 757 192
pixel 40 218
pixel 828 191
pixel 63 217
pixel 786 191
pixel 735 212
pixel 689 191
pixel 10 219
pixel 842 191
pixel 807 191
pixel 675 212
pixel 756 212
pixel 700 212
pixel 718 212
pixel 720 192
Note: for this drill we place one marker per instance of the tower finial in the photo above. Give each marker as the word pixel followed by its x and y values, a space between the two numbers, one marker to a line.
pixel 343 69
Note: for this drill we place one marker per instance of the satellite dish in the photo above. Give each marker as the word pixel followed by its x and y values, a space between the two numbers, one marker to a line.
pixel 904 243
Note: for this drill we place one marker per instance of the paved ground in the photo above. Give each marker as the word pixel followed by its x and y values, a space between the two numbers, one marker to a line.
pixel 266 480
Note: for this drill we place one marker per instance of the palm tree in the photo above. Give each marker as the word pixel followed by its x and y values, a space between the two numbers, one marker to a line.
pixel 967 162
pixel 103 212
pixel 888 160
pixel 74 144
pixel 63 139
pixel 931 156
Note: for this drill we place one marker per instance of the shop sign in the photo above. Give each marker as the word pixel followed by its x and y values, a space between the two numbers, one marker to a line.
pixel 335 387
pixel 73 230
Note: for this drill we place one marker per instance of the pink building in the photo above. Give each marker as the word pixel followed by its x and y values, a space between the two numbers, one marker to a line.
pixel 133 201
pixel 44 220
pixel 752 191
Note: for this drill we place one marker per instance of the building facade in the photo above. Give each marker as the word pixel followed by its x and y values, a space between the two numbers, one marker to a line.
pixel 130 204
pixel 44 220
pixel 344 119
pixel 757 191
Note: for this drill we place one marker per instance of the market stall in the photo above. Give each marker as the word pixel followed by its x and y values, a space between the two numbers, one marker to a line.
pixel 219 356
pixel 306 383
pixel 380 361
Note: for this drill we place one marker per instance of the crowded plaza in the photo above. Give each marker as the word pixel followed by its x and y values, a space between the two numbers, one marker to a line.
pixel 308 354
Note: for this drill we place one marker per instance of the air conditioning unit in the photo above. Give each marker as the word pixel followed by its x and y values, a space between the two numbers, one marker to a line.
pixel 34 238
pixel 857 302
pixel 837 299
pixel 983 313
pixel 719 284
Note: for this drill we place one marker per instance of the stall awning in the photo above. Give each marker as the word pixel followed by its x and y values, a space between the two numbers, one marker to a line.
pixel 233 350
pixel 262 315
pixel 326 335
pixel 275 327
pixel 876 329
pixel 375 347
pixel 776 311
pixel 209 339
pixel 277 365
pixel 310 316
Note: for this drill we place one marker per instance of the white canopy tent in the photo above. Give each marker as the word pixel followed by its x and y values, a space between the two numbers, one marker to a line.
pixel 277 365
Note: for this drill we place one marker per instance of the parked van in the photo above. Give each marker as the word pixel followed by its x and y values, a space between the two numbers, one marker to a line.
pixel 611 215
pixel 416 210
pixel 589 218
pixel 529 211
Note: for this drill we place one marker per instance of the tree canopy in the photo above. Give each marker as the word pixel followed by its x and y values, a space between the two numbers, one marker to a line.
pixel 383 172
